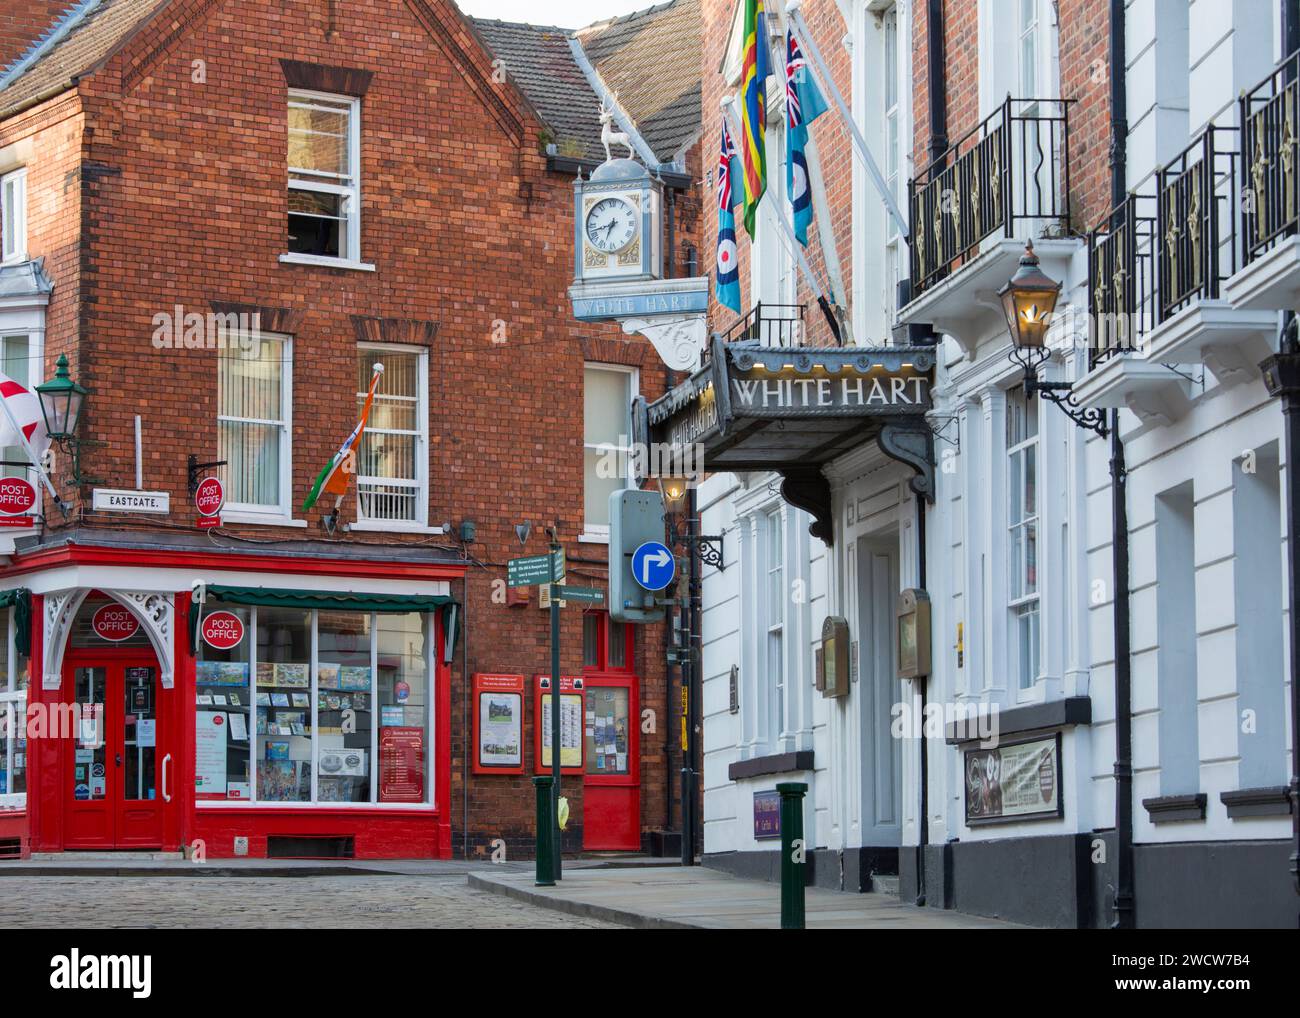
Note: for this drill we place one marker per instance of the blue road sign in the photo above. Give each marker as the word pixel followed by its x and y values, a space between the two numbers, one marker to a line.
pixel 653 565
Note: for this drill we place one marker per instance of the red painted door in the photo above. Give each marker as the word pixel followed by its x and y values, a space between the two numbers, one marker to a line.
pixel 117 763
pixel 611 784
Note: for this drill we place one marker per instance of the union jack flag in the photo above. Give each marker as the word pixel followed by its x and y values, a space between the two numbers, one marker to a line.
pixel 726 155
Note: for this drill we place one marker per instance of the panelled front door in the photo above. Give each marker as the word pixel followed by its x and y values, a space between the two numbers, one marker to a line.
pixel 116 772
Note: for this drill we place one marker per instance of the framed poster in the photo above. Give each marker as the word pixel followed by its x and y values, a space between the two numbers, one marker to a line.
pixel 210 754
pixel 1016 781
pixel 401 764
pixel 767 815
pixel 499 723
pixel 572 692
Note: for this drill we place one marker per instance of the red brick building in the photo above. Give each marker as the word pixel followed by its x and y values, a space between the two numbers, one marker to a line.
pixel 225 212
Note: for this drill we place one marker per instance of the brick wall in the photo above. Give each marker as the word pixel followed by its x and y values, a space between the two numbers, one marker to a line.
pixel 181 200
pixel 1085 54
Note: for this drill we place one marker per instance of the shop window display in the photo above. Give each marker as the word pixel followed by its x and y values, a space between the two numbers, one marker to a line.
pixel 223 707
pixel 284 714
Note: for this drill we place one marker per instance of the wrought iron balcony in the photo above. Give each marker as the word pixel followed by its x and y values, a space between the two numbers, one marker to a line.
pixel 1011 170
pixel 1198 239
pixel 1121 253
pixel 1270 144
pixel 771 325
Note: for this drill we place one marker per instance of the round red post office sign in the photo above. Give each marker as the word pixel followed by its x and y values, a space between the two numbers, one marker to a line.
pixel 222 630
pixel 115 623
pixel 16 496
pixel 210 497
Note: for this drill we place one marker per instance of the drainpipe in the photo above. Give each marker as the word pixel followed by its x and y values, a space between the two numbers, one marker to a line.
pixel 938 85
pixel 1124 890
pixel 923 836
pixel 1282 379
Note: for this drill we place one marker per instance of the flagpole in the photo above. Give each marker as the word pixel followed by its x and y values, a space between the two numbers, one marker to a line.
pixel 809 45
pixel 31 454
pixel 817 186
pixel 728 111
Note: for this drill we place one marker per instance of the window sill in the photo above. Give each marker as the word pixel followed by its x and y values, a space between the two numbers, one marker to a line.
pixel 259 519
pixel 1170 809
pixel 324 262
pixel 1270 801
pixel 377 526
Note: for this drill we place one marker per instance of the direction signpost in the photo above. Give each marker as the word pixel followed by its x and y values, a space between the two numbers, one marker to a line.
pixel 529 571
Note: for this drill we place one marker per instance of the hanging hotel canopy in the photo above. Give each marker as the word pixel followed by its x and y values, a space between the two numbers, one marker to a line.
pixel 793 410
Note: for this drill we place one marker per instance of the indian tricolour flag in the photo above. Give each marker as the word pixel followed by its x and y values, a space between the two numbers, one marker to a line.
pixel 334 477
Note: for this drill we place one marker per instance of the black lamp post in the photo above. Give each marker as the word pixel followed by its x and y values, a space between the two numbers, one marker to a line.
pixel 62 400
pixel 1028 300
pixel 682 519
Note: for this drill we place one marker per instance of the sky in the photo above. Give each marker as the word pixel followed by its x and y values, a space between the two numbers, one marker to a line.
pixel 564 13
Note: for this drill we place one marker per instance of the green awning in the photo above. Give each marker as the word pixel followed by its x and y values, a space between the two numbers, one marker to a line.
pixel 20 600
pixel 269 597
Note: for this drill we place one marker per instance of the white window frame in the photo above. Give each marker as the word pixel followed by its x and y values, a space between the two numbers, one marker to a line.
pixel 281 514
pixel 349 239
pixel 13 243
pixel 18 699
pixel 1018 607
pixel 430 803
pixel 599 532
pixel 420 523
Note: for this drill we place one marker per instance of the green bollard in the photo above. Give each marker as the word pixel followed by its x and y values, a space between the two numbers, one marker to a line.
pixel 545 841
pixel 793 854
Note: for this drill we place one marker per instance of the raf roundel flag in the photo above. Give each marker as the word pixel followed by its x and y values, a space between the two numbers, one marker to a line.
pixel 804 104
pixel 728 264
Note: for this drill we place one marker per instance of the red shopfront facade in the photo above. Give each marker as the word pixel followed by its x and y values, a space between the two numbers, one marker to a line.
pixel 228 703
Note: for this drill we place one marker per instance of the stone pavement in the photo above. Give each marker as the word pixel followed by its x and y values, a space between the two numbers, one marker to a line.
pixel 694 897
pixel 194 901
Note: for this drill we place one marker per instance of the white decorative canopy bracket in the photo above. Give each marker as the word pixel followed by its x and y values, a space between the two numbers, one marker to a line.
pixel 153 610
pixel 60 609
pixel 678 339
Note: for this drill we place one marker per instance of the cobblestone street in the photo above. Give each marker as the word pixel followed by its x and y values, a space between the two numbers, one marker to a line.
pixel 353 902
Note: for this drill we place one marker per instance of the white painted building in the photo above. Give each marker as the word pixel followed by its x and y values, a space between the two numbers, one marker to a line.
pixel 1018 540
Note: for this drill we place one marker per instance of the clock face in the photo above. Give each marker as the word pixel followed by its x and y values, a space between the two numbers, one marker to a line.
pixel 611 225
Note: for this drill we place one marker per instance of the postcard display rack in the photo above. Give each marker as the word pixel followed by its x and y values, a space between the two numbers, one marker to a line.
pixel 284 732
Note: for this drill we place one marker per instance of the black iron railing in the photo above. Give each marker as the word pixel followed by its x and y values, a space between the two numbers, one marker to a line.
pixel 1270 145
pixel 779 325
pixel 1011 169
pixel 1194 197
pixel 1121 255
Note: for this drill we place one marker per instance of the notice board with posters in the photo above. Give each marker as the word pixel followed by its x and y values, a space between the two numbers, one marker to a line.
pixel 401 764
pixel 498 723
pixel 572 692
pixel 1014 781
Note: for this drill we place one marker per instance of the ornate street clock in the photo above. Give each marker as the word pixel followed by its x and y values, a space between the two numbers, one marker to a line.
pixel 617 224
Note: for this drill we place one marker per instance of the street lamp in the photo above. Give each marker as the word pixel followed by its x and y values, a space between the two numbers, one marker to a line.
pixel 62 400
pixel 1028 301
